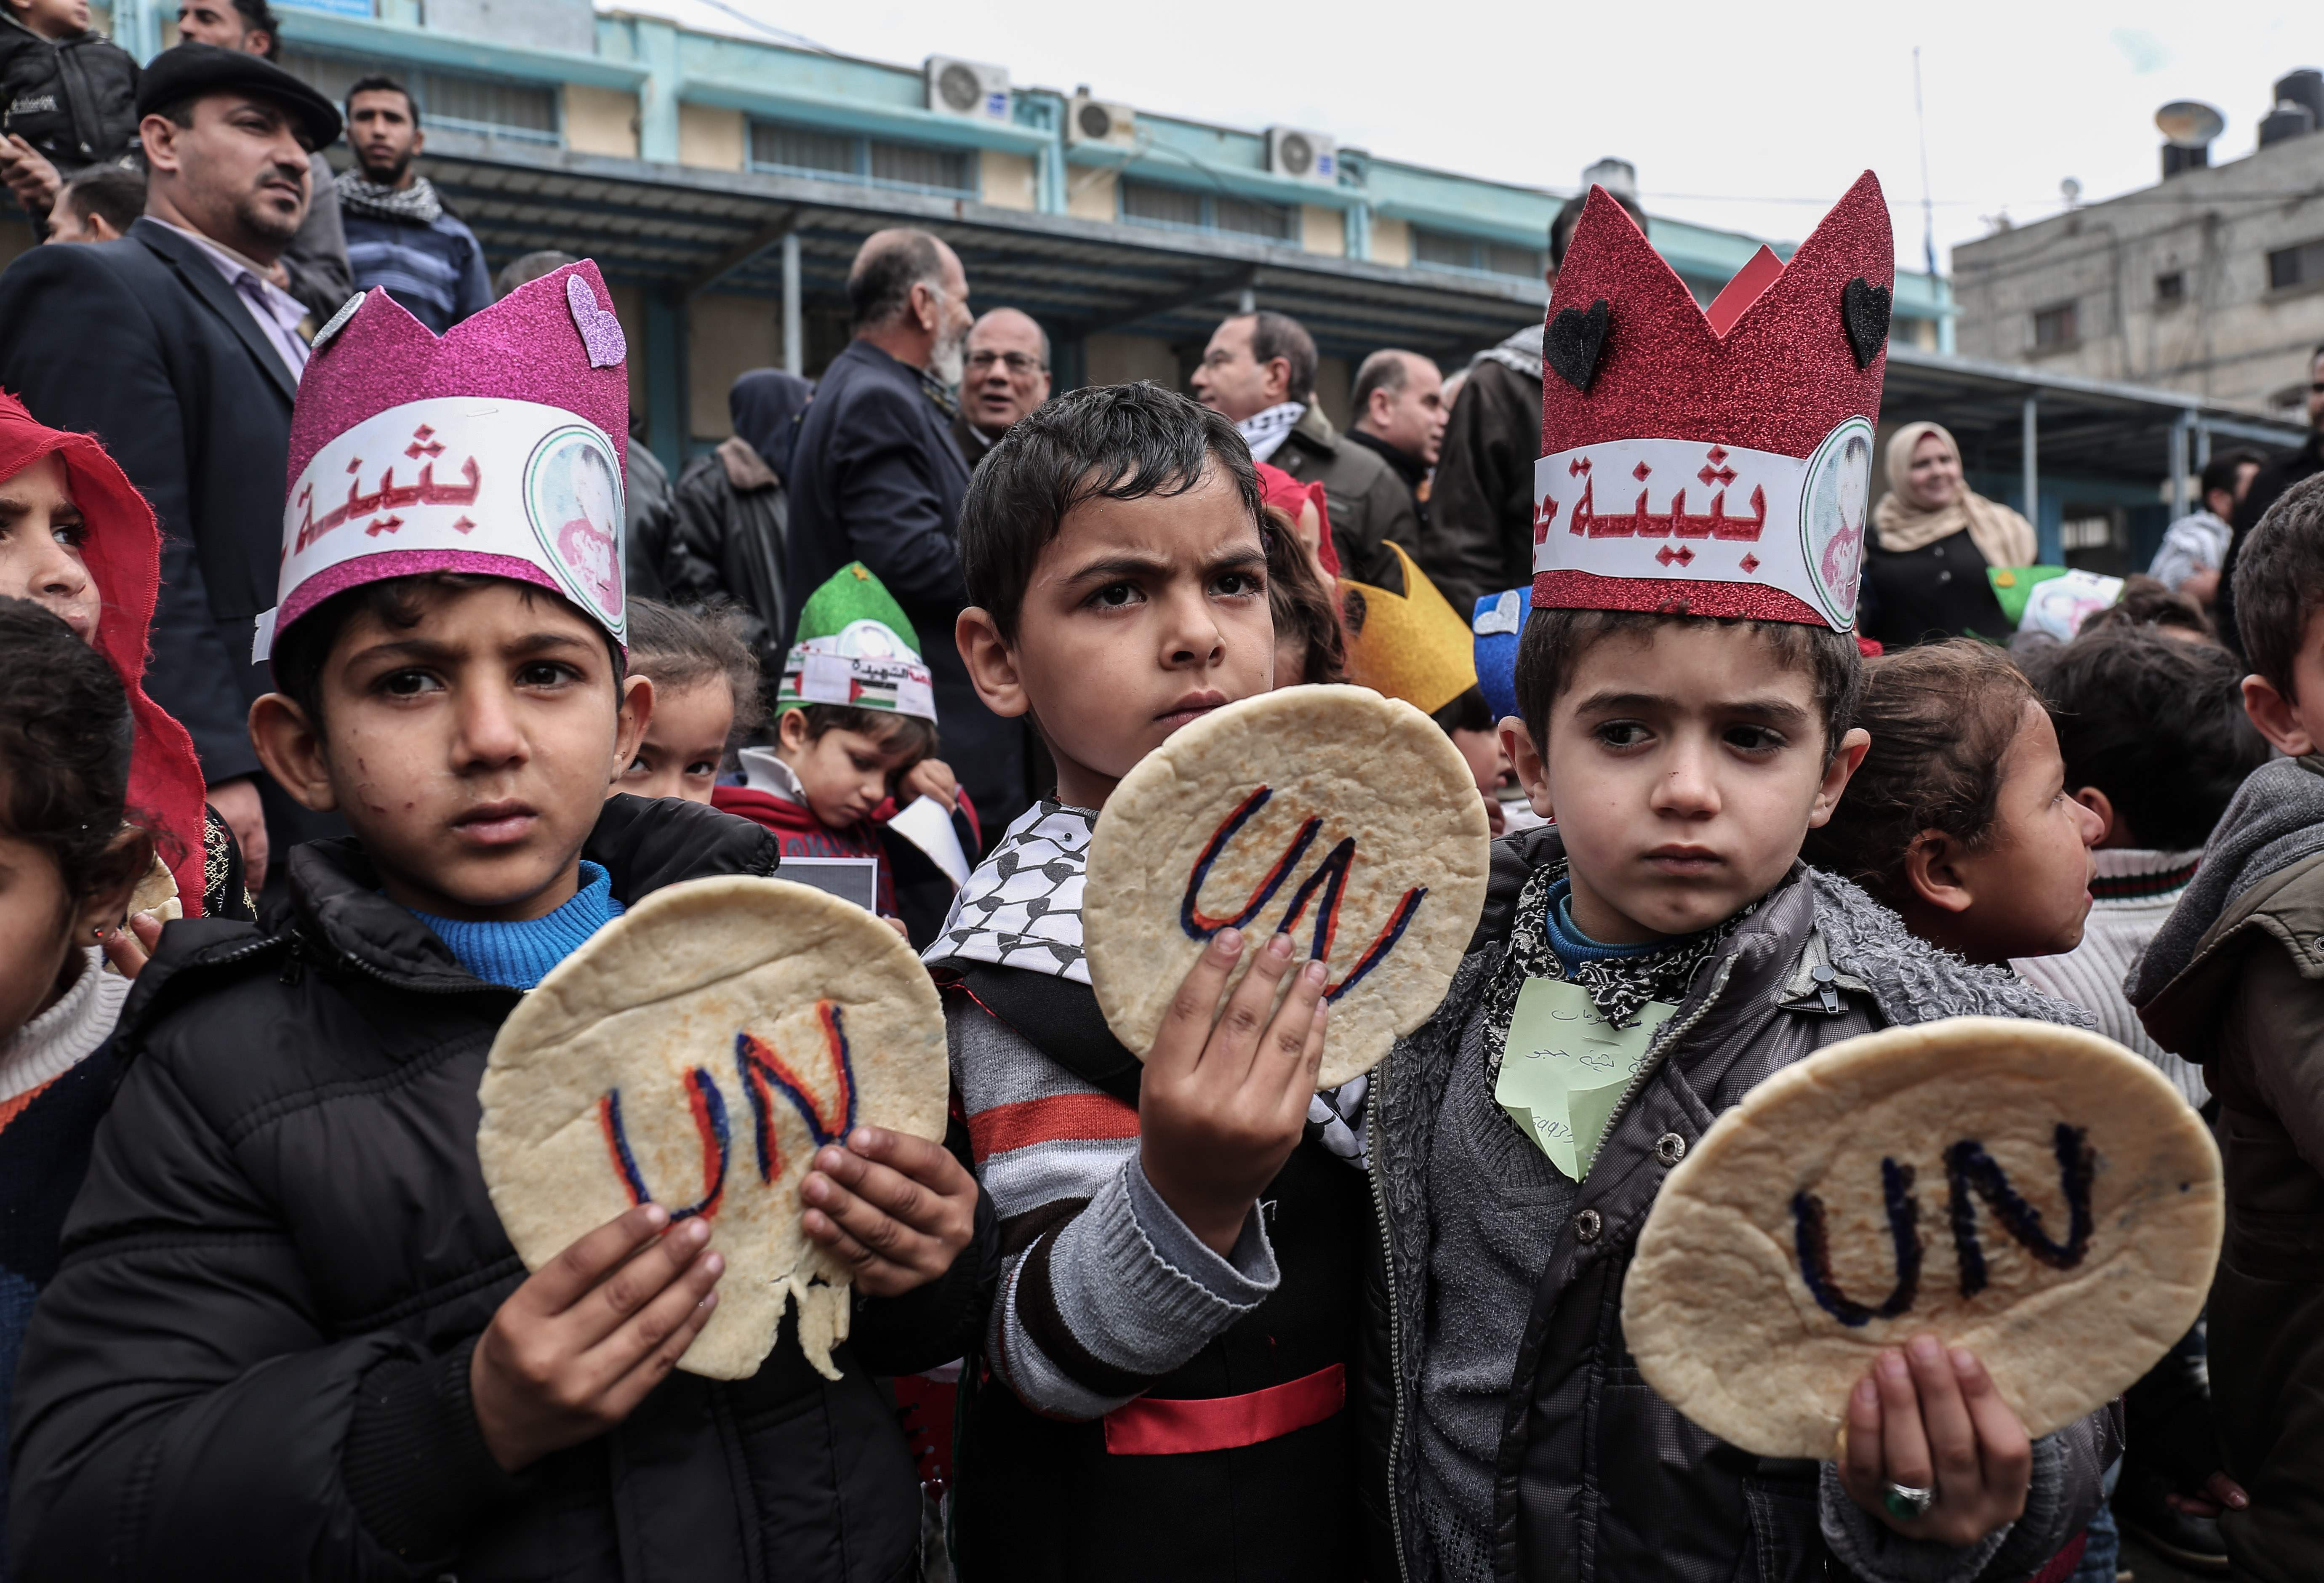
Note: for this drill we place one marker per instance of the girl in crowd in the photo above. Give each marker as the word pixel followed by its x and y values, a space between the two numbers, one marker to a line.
pixel 76 537
pixel 68 864
pixel 706 682
pixel 1933 537
pixel 1959 816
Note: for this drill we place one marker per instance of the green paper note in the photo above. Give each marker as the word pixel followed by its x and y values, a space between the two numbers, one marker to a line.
pixel 1566 1067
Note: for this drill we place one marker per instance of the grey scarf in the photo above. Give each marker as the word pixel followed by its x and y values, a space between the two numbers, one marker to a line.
pixel 416 205
pixel 2276 819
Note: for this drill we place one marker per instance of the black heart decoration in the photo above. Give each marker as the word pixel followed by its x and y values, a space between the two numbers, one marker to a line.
pixel 1574 341
pixel 1864 313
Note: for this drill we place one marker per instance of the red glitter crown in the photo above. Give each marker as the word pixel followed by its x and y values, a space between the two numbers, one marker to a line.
pixel 1786 354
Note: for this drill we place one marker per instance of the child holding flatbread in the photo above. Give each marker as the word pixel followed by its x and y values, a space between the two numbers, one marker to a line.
pixel 1170 1350
pixel 293 1340
pixel 2231 981
pixel 1684 685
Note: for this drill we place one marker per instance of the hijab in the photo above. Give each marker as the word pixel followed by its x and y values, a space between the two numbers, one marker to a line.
pixel 765 404
pixel 123 553
pixel 1279 488
pixel 2003 536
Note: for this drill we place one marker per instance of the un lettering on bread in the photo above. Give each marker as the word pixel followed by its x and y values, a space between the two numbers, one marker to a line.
pixel 2035 1193
pixel 1346 817
pixel 697 1052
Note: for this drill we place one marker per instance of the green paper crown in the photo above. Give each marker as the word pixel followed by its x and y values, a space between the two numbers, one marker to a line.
pixel 853 594
pixel 855 647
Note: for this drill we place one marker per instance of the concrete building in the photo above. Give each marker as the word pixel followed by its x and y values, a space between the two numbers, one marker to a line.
pixel 723 183
pixel 2210 282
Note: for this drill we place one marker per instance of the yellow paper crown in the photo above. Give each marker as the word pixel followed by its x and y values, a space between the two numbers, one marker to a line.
pixel 1413 645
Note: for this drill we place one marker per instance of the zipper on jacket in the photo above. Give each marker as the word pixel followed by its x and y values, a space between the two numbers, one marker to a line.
pixel 1395 1358
pixel 1672 1034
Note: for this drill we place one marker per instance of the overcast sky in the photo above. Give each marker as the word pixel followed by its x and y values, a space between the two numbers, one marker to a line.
pixel 1753 117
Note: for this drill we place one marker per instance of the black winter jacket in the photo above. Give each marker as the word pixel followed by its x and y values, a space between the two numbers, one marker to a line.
pixel 1598 1477
pixel 253 1361
pixel 73 99
pixel 727 541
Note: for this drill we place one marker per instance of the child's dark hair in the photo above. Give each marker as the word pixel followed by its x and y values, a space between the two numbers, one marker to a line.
pixel 300 653
pixel 913 733
pixel 2280 581
pixel 2155 723
pixel 1941 718
pixel 1468 711
pixel 1555 641
pixel 65 742
pixel 1102 442
pixel 1300 604
pixel 2146 602
pixel 677 649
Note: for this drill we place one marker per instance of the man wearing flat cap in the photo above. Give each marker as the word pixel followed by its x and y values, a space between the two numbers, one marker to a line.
pixel 175 346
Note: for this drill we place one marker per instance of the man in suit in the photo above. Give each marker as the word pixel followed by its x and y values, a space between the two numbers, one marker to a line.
pixel 1008 375
pixel 1258 374
pixel 876 477
pixel 177 350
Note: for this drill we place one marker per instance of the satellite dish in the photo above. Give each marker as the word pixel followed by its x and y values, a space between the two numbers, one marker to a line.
pixel 2190 124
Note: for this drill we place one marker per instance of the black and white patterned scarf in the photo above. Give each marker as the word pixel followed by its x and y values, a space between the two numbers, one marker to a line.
pixel 1023 904
pixel 1618 987
pixel 1022 908
pixel 416 205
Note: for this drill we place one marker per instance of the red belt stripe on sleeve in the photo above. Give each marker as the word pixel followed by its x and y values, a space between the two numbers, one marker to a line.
pixel 2066 1562
pixel 1058 1118
pixel 1151 1428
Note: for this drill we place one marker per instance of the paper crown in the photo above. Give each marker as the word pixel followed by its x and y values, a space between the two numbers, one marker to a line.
pixel 496 449
pixel 1499 623
pixel 1412 646
pixel 856 647
pixel 1716 461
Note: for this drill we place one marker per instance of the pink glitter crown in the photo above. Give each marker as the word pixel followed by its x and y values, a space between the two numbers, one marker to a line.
pixel 529 347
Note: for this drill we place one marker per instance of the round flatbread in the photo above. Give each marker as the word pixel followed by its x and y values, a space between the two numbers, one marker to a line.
pixel 2053 1203
pixel 1345 816
pixel 697 1052
pixel 157 893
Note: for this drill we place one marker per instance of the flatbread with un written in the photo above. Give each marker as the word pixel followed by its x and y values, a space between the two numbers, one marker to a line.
pixel 2035 1193
pixel 697 1052
pixel 1347 818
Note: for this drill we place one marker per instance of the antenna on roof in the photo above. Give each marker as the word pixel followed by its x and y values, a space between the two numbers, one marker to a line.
pixel 1928 204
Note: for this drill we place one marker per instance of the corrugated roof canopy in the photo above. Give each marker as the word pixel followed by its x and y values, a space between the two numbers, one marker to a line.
pixel 693 228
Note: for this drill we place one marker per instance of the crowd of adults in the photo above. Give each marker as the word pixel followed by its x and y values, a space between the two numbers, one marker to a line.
pixel 225 240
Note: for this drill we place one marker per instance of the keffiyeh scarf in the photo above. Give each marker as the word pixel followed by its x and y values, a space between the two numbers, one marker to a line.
pixel 1022 908
pixel 416 204
pixel 1265 432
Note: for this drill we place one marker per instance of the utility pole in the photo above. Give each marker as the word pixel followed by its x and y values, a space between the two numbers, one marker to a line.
pixel 1927 203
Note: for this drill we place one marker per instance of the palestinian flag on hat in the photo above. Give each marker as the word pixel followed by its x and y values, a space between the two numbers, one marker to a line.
pixel 856 648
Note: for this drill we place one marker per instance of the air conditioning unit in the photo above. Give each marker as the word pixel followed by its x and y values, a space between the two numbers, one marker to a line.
pixel 1089 120
pixel 1304 156
pixel 968 87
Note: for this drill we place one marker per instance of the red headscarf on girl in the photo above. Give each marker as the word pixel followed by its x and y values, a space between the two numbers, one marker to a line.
pixel 1279 489
pixel 124 556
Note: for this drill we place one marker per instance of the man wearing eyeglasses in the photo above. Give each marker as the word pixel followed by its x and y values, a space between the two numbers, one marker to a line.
pixel 1008 376
pixel 2269 483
